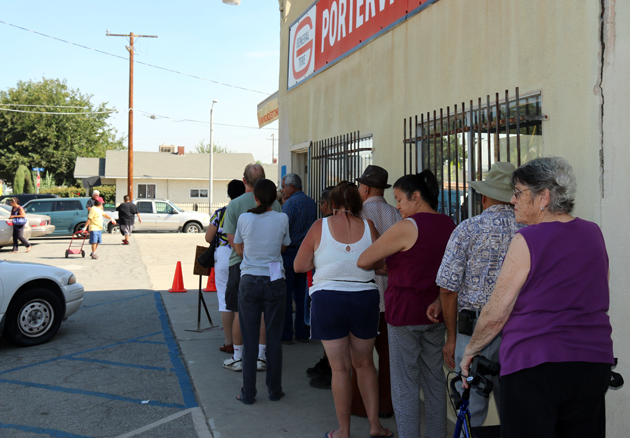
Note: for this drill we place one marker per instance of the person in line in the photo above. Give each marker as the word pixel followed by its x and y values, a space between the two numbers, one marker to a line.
pixel 301 211
pixel 469 271
pixel 90 203
pixel 344 308
pixel 372 185
pixel 413 249
pixel 320 374
pixel 221 261
pixel 126 218
pixel 261 236
pixel 94 225
pixel 238 206
pixel 18 217
pixel 551 301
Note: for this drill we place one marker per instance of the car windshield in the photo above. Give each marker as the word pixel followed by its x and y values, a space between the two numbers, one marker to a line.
pixel 177 208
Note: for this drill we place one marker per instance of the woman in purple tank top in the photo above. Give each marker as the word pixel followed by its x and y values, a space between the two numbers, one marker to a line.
pixel 413 249
pixel 551 301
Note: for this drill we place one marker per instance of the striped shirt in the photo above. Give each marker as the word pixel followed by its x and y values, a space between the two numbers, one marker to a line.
pixel 217 221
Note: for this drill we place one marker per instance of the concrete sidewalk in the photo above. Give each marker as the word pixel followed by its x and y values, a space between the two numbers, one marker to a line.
pixel 303 412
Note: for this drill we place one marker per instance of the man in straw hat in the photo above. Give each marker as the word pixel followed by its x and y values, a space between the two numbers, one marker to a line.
pixel 469 271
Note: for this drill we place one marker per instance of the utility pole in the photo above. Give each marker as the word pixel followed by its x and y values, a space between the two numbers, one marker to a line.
pixel 130 48
pixel 273 148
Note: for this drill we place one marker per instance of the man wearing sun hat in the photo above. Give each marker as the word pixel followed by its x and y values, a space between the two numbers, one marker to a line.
pixel 469 270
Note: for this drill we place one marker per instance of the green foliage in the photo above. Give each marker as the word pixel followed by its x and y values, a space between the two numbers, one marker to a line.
pixel 204 148
pixel 18 181
pixel 51 141
pixel 108 193
pixel 29 187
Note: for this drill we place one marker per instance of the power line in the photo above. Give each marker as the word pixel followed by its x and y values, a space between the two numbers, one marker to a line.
pixel 155 116
pixel 138 62
pixel 61 114
pixel 52 106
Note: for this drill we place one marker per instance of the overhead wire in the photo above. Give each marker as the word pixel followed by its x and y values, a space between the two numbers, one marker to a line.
pixel 137 62
pixel 154 116
pixel 56 113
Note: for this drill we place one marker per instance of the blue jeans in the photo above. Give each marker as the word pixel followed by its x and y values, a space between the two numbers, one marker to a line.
pixel 258 295
pixel 296 290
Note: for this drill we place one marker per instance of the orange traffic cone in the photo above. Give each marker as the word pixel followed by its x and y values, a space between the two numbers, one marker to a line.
pixel 211 287
pixel 178 281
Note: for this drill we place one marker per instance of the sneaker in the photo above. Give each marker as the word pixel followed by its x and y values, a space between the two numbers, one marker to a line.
pixel 322 367
pixel 321 382
pixel 233 364
pixel 94 256
pixel 125 242
pixel 261 364
pixel 227 348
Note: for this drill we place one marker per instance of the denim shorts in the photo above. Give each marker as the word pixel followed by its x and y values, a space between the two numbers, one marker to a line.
pixel 96 237
pixel 336 314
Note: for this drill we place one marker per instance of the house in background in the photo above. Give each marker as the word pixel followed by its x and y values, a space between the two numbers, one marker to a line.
pixel 171 174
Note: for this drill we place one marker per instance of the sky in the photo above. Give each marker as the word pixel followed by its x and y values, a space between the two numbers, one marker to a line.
pixel 236 45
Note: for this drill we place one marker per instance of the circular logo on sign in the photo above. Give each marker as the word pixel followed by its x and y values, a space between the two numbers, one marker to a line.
pixel 303 43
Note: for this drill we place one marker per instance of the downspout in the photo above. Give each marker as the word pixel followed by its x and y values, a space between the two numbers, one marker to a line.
pixel 600 90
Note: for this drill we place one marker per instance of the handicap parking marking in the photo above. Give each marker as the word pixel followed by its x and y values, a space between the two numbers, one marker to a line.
pixel 42 431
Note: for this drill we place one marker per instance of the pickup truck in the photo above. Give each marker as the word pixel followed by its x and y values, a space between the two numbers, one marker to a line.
pixel 162 215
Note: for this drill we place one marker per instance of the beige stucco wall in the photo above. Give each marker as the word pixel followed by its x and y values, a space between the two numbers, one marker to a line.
pixel 451 52
pixel 614 204
pixel 177 191
pixel 455 51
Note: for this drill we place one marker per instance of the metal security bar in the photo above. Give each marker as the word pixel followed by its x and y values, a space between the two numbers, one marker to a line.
pixel 336 159
pixel 461 145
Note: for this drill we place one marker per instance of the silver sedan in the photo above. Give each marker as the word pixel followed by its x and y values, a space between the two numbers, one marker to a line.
pixel 40 223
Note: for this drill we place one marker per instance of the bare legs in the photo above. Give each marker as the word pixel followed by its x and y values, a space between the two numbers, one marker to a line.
pixel 343 354
pixel 227 319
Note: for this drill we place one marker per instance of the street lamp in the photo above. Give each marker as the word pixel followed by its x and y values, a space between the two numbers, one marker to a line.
pixel 211 151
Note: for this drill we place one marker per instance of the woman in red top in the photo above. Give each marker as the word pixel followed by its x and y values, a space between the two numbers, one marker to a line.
pixel 413 249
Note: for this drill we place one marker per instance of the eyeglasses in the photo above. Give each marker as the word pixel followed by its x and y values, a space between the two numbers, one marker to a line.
pixel 518 193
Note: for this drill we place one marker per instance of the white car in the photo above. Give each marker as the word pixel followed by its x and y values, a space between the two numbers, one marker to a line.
pixel 163 215
pixel 34 299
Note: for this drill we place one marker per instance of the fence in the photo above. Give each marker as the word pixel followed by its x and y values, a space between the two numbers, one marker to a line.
pixel 467 141
pixel 201 207
pixel 341 158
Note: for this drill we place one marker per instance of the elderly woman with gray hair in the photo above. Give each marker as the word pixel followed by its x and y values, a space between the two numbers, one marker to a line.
pixel 551 301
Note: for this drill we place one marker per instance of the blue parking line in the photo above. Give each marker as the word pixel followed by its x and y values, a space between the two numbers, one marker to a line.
pixel 92 394
pixel 173 350
pixel 42 431
pixel 119 364
pixel 148 342
pixel 117 301
pixel 77 353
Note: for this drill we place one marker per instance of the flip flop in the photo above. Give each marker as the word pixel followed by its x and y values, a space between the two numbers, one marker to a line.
pixel 330 434
pixel 387 434
pixel 245 402
pixel 277 397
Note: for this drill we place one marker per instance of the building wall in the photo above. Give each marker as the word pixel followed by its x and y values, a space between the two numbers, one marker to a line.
pixel 177 191
pixel 451 52
pixel 614 203
pixel 455 51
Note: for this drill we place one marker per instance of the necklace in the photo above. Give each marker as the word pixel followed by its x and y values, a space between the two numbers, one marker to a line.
pixel 345 211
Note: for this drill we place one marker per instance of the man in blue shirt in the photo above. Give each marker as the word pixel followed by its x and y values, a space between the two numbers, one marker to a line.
pixel 301 211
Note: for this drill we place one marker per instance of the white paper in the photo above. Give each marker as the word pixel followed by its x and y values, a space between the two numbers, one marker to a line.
pixel 275 271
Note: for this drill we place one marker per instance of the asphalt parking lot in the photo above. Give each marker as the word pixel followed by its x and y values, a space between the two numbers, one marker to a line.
pixel 127 364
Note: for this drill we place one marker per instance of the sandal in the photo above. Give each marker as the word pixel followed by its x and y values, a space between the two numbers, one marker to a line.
pixel 388 434
pixel 330 434
pixel 245 402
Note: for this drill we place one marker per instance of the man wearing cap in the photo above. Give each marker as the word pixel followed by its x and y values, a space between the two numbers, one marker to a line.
pixel 469 271
pixel 95 195
pixel 372 185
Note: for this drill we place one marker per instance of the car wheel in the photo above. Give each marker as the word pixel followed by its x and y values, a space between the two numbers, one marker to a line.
pixel 114 229
pixel 192 227
pixel 33 317
pixel 79 227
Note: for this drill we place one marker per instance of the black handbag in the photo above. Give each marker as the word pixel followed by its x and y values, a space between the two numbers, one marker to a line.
pixel 207 258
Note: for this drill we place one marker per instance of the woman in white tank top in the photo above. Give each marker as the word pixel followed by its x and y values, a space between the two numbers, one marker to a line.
pixel 344 307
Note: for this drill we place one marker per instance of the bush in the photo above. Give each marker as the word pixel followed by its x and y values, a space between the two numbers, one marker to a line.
pixel 108 193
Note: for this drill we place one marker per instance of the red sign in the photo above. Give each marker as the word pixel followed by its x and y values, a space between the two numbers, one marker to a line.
pixel 340 26
pixel 38 179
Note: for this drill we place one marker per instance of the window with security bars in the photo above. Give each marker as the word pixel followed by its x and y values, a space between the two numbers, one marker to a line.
pixel 341 158
pixel 462 143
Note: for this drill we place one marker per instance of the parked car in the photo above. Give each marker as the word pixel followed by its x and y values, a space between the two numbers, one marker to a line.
pixel 68 215
pixel 34 299
pixel 163 215
pixel 25 197
pixel 6 233
pixel 40 223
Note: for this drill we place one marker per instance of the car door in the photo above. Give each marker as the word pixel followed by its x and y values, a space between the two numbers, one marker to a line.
pixel 47 208
pixel 145 210
pixel 167 217
pixel 64 216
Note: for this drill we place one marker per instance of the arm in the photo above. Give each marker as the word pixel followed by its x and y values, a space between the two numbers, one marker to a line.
pixel 400 237
pixel 20 213
pixel 448 300
pixel 109 217
pixel 210 233
pixel 139 218
pixel 304 259
pixel 230 238
pixel 498 309
pixel 238 247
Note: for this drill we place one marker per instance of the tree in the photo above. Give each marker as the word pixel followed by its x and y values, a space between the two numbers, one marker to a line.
pixel 23 182
pixel 51 141
pixel 204 148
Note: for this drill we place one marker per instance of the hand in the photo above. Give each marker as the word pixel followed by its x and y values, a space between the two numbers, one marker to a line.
pixel 113 222
pixel 465 366
pixel 449 353
pixel 434 310
pixel 84 229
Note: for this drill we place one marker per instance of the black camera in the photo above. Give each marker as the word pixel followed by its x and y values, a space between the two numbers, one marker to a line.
pixel 480 367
